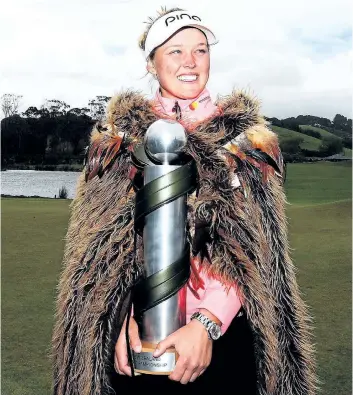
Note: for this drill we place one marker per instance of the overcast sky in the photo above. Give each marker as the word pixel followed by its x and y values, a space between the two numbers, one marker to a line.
pixel 295 56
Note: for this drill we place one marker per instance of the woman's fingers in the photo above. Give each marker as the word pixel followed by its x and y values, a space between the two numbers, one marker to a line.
pixel 196 375
pixel 179 369
pixel 187 376
pixel 122 362
pixel 134 336
pixel 116 366
pixel 163 345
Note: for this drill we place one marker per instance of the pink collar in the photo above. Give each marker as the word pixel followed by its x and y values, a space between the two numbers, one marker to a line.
pixel 191 110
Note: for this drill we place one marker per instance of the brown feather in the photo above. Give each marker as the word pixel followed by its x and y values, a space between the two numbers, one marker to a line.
pixel 113 149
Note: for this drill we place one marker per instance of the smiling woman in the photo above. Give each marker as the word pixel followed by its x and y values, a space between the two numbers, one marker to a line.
pixel 246 327
pixel 182 64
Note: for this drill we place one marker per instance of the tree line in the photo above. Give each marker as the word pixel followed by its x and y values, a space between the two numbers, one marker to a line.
pixel 47 136
pixel 57 134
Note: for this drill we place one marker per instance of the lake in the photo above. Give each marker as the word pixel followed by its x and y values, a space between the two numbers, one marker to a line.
pixel 39 183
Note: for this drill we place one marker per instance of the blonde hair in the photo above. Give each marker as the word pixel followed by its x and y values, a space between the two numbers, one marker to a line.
pixel 151 20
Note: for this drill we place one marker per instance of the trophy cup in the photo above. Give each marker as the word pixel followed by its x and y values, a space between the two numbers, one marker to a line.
pixel 159 299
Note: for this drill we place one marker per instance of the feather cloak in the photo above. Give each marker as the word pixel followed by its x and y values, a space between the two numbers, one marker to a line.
pixel 241 231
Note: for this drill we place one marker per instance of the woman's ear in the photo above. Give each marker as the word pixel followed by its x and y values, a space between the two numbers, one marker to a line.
pixel 150 68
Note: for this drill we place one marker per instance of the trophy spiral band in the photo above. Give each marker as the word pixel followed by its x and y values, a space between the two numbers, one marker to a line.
pixel 160 216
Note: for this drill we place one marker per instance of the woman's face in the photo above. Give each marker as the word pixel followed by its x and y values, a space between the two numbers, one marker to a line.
pixel 182 64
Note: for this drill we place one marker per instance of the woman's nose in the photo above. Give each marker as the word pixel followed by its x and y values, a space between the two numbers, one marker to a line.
pixel 189 61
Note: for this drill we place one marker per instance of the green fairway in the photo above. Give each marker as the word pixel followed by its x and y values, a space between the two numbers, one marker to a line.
pixel 319 216
pixel 32 247
pixel 318 182
pixel 321 237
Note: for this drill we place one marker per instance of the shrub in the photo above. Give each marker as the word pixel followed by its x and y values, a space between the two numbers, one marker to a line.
pixel 63 193
pixel 331 146
pixel 291 145
pixel 313 153
pixel 309 132
pixel 293 158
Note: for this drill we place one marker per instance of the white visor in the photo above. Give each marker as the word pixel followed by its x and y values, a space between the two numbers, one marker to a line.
pixel 170 23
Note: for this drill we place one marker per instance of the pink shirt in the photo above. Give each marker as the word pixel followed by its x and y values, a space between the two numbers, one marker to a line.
pixel 192 110
pixel 212 294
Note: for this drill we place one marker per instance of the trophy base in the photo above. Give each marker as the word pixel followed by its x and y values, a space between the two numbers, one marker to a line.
pixel 146 363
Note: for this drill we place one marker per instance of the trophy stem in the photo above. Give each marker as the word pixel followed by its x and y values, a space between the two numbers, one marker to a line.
pixel 164 237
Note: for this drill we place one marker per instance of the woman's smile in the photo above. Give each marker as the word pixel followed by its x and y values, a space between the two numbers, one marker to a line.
pixel 188 78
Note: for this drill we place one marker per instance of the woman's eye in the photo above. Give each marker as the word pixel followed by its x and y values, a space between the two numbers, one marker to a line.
pixel 175 51
pixel 201 51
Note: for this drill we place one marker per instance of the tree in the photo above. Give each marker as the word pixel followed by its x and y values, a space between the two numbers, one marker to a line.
pixel 79 111
pixel 309 132
pixel 347 142
pixel 10 103
pixel 342 123
pixel 55 107
pixel 331 145
pixel 97 107
pixel 32 112
pixel 291 145
pixel 14 130
pixel 339 121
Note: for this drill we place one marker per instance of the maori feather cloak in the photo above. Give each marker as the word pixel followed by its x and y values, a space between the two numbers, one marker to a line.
pixel 238 229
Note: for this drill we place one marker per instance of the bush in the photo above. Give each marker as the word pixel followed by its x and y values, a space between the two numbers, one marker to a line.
pixel 309 132
pixel 63 193
pixel 347 142
pixel 293 158
pixel 313 153
pixel 291 145
pixel 331 146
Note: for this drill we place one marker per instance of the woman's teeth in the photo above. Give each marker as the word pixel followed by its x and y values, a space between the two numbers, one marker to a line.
pixel 187 78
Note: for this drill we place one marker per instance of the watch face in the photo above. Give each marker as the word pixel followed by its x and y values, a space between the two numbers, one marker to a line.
pixel 215 331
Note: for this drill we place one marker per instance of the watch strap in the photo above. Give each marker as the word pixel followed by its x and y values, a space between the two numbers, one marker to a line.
pixel 205 321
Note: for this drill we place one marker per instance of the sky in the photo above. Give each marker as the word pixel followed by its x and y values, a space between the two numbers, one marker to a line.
pixel 294 56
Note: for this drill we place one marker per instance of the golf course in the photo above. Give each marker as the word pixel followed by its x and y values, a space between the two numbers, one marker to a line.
pixel 319 215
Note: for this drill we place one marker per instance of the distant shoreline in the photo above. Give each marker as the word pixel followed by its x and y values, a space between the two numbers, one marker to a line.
pixel 77 167
pixel 33 197
pixel 62 167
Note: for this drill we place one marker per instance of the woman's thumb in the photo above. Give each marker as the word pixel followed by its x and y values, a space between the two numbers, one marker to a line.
pixel 163 346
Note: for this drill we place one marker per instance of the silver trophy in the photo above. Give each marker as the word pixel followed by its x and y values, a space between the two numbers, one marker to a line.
pixel 164 239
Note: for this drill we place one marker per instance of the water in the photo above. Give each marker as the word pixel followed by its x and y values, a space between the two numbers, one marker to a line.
pixel 39 183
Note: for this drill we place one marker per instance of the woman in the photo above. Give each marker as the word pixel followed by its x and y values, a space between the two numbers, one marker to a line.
pixel 242 276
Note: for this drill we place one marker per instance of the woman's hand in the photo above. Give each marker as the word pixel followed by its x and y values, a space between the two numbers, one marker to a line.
pixel 194 348
pixel 121 361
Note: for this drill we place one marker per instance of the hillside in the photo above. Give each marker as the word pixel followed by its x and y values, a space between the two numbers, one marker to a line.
pixel 323 132
pixel 309 142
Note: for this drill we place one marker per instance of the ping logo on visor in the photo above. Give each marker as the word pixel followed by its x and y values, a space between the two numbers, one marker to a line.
pixel 178 17
pixel 170 23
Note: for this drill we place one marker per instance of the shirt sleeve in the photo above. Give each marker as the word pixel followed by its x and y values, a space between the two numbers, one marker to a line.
pixel 222 303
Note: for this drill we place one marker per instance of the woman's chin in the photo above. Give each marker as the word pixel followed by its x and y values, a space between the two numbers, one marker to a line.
pixel 189 92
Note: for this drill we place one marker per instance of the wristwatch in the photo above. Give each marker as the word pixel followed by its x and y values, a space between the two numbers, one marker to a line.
pixel 213 329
